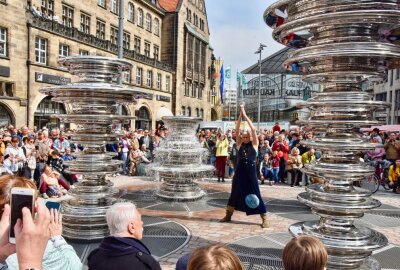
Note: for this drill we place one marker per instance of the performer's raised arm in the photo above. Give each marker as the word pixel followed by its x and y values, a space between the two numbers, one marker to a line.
pixel 252 127
pixel 238 133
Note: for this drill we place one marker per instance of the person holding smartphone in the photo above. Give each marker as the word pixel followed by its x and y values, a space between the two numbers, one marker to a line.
pixel 221 155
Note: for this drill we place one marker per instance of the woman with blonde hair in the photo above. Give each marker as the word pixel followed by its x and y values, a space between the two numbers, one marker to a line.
pixel 214 257
pixel 305 253
pixel 294 164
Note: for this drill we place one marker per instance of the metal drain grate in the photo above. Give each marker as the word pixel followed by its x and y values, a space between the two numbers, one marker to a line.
pixel 264 252
pixel 160 235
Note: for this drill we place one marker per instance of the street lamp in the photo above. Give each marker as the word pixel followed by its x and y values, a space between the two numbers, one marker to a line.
pixel 259 51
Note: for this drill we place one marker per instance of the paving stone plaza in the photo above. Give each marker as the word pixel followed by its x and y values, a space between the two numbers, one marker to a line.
pixel 174 229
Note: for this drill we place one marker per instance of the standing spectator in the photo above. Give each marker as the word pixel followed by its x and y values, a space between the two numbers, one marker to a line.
pixel 294 164
pixel 146 140
pixel 265 149
pixel 8 165
pixel 30 154
pixel 16 155
pixel 283 147
pixel 276 127
pixel 392 148
pixel 123 249
pixel 23 134
pixel 275 161
pixel 135 157
pixel 125 144
pixel 221 156
pixel 60 144
pixel 2 148
pixel 375 134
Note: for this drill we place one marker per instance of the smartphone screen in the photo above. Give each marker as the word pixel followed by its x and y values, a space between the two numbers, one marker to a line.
pixel 53 205
pixel 19 201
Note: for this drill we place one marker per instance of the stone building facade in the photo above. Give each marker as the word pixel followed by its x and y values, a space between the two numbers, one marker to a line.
pixel 185 43
pixel 40 31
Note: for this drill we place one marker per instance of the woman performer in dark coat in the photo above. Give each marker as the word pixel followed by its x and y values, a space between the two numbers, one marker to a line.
pixel 245 194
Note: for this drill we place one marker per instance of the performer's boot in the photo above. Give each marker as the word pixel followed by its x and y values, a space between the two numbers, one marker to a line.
pixel 265 222
pixel 228 215
pixel 223 180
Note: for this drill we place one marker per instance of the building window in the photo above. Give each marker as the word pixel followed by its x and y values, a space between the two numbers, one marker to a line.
pixel 200 93
pixel 159 78
pixel 83 52
pixel 3 42
pixel 7 89
pixel 188 86
pixel 100 29
pixel 196 55
pixel 101 3
pixel 189 111
pixel 85 23
pixel 147 49
pixel 156 52
pixel 126 42
pixel 150 78
pixel 148 22
pixel 201 113
pixel 63 50
pixel 167 83
pixel 114 35
pixel 197 112
pixel 140 17
pixel 189 15
pixel 139 73
pixel 114 6
pixel 391 77
pixel 183 110
pixel 126 77
pixel 189 64
pixel 194 90
pixel 137 44
pixel 67 16
pixel 41 50
pixel 201 25
pixel 131 12
pixel 156 27
pixel 203 59
pixel 47 7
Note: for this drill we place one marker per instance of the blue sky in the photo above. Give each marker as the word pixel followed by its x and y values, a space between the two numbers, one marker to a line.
pixel 236 30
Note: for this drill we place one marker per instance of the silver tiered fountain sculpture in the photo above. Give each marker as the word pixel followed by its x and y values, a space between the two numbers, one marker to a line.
pixel 340 44
pixel 179 161
pixel 91 104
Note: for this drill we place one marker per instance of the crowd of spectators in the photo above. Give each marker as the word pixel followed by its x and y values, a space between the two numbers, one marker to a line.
pixel 283 153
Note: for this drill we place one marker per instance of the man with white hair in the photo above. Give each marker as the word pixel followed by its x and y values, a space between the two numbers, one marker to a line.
pixel 123 248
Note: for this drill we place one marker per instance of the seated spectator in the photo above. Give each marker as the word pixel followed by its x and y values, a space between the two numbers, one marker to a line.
pixel 305 253
pixel 294 164
pixel 394 175
pixel 68 155
pixel 146 154
pixel 123 248
pixel 265 169
pixel 60 144
pixel 58 255
pixel 55 162
pixel 51 185
pixel 214 257
pixel 7 165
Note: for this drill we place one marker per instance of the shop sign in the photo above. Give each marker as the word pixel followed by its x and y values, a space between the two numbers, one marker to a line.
pixel 51 79
pixel 164 98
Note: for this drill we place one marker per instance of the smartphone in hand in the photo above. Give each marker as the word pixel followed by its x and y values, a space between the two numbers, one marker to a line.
pixel 20 198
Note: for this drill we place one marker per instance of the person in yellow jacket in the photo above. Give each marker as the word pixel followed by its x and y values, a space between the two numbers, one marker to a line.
pixel 394 175
pixel 221 155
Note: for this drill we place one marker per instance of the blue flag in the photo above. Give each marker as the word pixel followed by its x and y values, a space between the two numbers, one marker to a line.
pixel 221 83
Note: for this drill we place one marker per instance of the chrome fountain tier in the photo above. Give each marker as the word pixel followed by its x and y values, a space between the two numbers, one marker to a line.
pixel 179 161
pixel 340 44
pixel 92 104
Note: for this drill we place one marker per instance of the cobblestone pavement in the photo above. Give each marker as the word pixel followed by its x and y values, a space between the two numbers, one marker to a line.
pixel 281 201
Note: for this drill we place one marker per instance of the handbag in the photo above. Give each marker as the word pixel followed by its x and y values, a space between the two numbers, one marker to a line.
pixel 24 171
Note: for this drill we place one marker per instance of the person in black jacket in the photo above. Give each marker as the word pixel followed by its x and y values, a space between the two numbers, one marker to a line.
pixel 123 248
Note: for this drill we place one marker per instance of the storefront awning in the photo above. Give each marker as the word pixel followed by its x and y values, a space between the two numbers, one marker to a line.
pixel 163 111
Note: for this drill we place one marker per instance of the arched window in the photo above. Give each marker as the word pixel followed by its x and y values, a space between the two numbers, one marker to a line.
pixel 202 113
pixel 6 117
pixel 131 12
pixel 197 112
pixel 143 118
pixel 148 22
pixel 45 110
pixel 189 111
pixel 156 27
pixel 183 110
pixel 140 17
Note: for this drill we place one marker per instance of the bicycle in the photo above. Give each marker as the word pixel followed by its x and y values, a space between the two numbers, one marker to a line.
pixel 379 178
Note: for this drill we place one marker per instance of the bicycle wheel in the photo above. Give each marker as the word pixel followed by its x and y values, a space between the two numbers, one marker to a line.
pixel 385 180
pixel 371 183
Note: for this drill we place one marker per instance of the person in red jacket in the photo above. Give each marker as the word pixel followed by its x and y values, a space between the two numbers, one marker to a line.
pixel 281 146
pixel 276 127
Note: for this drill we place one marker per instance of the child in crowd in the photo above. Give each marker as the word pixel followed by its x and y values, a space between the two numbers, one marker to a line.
pixel 305 253
pixel 265 168
pixel 394 175
pixel 276 157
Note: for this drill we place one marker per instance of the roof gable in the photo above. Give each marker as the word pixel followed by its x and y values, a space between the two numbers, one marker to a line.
pixel 169 5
